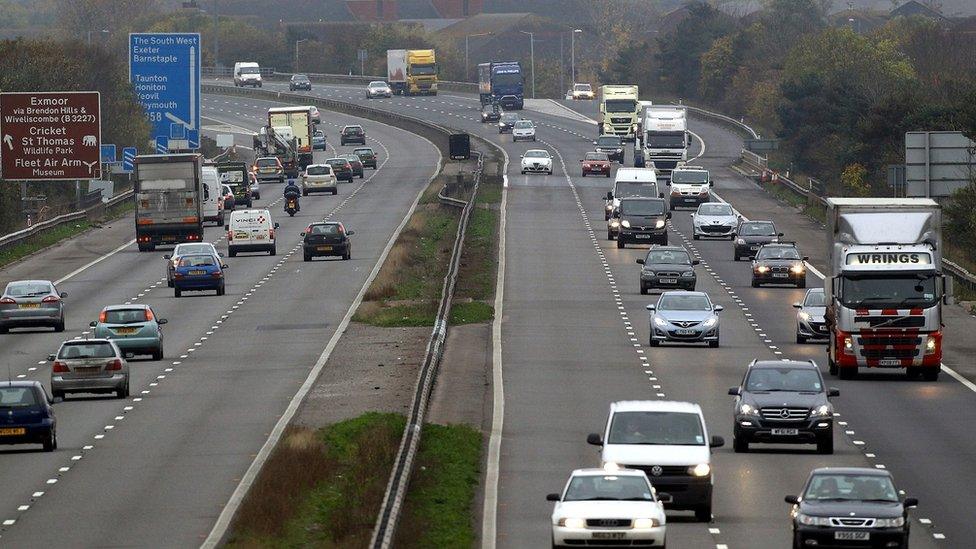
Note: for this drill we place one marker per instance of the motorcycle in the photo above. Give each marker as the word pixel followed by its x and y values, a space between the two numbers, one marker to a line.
pixel 291 206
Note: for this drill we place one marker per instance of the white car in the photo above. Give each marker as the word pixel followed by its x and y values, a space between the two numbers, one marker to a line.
pixel 610 505
pixel 378 88
pixel 582 91
pixel 714 219
pixel 669 442
pixel 319 178
pixel 523 130
pixel 537 161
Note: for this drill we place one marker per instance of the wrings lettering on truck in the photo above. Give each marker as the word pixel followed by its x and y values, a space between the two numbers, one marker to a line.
pixel 889 258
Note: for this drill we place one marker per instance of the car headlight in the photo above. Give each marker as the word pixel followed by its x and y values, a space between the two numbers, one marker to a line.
pixel 797 269
pixel 803 315
pixel 930 345
pixel 614 223
pixel 609 206
pixel 761 269
pixel 809 520
pixel 896 522
pixel 822 411
pixel 710 322
pixel 658 321
pixel 688 274
pixel 740 241
pixel 625 224
pixel 572 522
pixel 659 224
pixel 700 470
pixel 748 410
pixel 646 523
pixel 648 273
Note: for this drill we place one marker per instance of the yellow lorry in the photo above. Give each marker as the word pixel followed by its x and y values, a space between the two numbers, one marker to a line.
pixel 619 111
pixel 412 72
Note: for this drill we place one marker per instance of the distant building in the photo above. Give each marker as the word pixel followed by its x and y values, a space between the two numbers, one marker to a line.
pixel 916 8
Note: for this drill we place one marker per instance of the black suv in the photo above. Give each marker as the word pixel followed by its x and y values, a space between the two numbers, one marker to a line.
pixel 850 507
pixel 367 156
pixel 750 235
pixel 507 121
pixel 783 402
pixel 667 267
pixel 352 134
pixel 612 145
pixel 325 239
pixel 779 263
pixel 299 82
pixel 491 112
pixel 642 221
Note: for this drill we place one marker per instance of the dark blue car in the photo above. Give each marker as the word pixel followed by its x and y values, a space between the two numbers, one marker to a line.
pixel 197 273
pixel 26 415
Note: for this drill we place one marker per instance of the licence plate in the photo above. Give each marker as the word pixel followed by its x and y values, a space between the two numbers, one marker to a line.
pixel 87 370
pixel 168 238
pixel 669 281
pixel 785 432
pixel 13 431
pixel 324 248
pixel 30 305
pixel 609 535
pixel 853 536
pixel 126 331
pixel 780 275
pixel 259 237
pixel 685 332
pixel 197 272
pixel 753 248
pixel 889 362
pixel 642 236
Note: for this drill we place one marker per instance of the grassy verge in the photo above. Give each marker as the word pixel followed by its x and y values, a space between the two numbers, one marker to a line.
pixel 324 488
pixel 792 199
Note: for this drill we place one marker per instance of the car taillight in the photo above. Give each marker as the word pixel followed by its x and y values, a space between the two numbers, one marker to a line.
pixel 230 235
pixel 271 233
pixel 60 367
pixel 149 315
pixel 216 274
pixel 7 300
pixel 114 364
pixel 103 316
pixel 51 299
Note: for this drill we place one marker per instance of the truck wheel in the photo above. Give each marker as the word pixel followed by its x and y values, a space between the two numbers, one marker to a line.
pixel 931 374
pixel 609 235
pixel 847 373
pixel 831 367
pixel 143 247
pixel 232 252
pixel 621 244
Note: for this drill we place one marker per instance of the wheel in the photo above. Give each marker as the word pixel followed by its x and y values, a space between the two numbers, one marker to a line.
pixel 620 244
pixel 143 247
pixel 825 445
pixel 755 283
pixel 221 290
pixel 177 292
pixel 274 250
pixel 362 175
pixel 713 344
pixel 731 238
pixel 740 445
pixel 847 373
pixel 931 374
pixel 609 235
pixel 304 192
pixel 59 327
pixel 291 213
pixel 4 330
pixel 123 392
pixel 696 237
pixel 704 512
pixel 169 283
pixel 797 542
pixel 550 172
pixel 51 443
pixel 608 175
pixel 335 192
pixel 306 257
pixel 802 283
pixel 232 252
pixel 831 367
pixel 654 343
pixel 583 174
pixel 158 353
pixel 735 257
pixel 643 290
pixel 800 338
pixel 523 172
pixel 347 256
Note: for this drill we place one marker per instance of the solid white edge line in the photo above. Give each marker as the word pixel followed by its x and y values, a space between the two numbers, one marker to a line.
pixel 237 497
pixel 571 114
pixel 94 262
pixel 489 507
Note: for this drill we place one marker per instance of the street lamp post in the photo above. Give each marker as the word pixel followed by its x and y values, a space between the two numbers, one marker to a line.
pixel 572 55
pixel 297 42
pixel 531 58
pixel 466 70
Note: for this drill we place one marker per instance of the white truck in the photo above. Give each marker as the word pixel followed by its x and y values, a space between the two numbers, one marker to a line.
pixel 884 285
pixel 619 111
pixel 664 137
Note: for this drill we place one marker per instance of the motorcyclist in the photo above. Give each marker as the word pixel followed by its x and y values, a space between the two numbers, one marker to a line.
pixel 292 191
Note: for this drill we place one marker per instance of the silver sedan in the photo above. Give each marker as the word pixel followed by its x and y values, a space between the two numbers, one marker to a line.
pixel 686 317
pixel 29 303
pixel 89 366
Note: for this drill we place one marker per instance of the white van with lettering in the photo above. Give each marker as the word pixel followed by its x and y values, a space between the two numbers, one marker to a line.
pixel 213 205
pixel 251 231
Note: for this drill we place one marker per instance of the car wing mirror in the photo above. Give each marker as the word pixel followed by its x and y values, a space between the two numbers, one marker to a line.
pixel 276 225
pixel 51 358
pixel 833 392
pixel 806 258
pixel 716 442
pixel 93 323
pixel 350 233
pixel 695 262
pixel 64 294
pixel 640 261
pixel 910 503
pixel 718 308
pixel 798 305
pixel 594 142
pixel 792 499
pixel 779 234
pixel 167 256
pixel 664 497
pixel 129 355
pixel 660 195
pixel 594 439
pixel 162 321
pixel 223 266
pixel 651 307
pixel 301 235
pixel 667 215
pixel 691 216
pixel 735 391
pixel 552 497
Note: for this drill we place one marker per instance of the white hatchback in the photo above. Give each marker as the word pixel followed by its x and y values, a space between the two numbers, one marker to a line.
pixel 609 506
pixel 251 231
pixel 319 178
pixel 537 161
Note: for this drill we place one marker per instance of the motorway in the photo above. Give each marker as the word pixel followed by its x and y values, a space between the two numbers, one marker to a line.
pixel 574 339
pixel 156 469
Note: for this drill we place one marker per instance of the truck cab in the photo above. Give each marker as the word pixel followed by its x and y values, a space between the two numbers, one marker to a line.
pixel 664 136
pixel 619 111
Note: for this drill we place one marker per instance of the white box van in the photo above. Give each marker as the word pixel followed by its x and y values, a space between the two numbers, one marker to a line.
pixel 251 231
pixel 213 210
pixel 247 74
pixel 669 442
pixel 689 186
pixel 631 182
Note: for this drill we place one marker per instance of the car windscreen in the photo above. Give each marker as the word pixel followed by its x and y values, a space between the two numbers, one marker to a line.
pixel 582 87
pixel 523 124
pixel 363 151
pixel 714 209
pixel 847 487
pixel 596 156
pixel 689 177
pixel 627 190
pixel 669 257
pixel 608 488
pixel 197 261
pixel 17 397
pixel 337 162
pixel 506 79
pixel 667 140
pixel 187 249
pixel 299 78
pixel 815 299
pixel 86 350
pixel 882 292
pixel 27 289
pixel 352 130
pixel 318 170
pixel 665 428
pixel 642 207
pixel 536 154
pixel 803 380
pixel 757 229
pixel 250 70
pixel 510 118
pixel 352 158
pixel 608 141
pixel 325 229
pixel 684 302
pixel 125 316
pixel 377 84
pixel 423 70
pixel 777 252
pixel 267 162
pixel 621 105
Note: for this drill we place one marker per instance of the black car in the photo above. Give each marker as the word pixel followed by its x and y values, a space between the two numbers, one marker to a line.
pixel 750 235
pixel 783 402
pixel 299 82
pixel 356 163
pixel 341 168
pixel 352 134
pixel 367 156
pixel 612 145
pixel 326 239
pixel 850 507
pixel 779 263
pixel 642 221
pixel 507 121
pixel 491 112
pixel 27 415
pixel 667 267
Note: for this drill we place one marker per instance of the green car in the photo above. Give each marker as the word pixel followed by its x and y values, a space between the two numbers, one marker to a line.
pixel 134 328
pixel 367 156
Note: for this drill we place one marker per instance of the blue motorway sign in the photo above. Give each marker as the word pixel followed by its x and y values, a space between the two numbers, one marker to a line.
pixel 108 154
pixel 128 159
pixel 164 69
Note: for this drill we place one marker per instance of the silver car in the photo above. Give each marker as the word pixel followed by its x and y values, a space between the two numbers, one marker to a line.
pixel 687 317
pixel 89 366
pixel 187 248
pixel 30 303
pixel 810 312
pixel 714 219
pixel 378 88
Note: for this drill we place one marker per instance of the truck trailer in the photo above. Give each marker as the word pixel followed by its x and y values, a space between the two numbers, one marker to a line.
pixel 412 72
pixel 502 83
pixel 168 199
pixel 884 285
pixel 619 111
pixel 298 136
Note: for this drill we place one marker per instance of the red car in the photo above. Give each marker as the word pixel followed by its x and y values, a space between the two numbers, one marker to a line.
pixel 596 163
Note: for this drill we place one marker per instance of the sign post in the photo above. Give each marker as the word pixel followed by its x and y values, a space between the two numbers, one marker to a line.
pixel 164 69
pixel 50 136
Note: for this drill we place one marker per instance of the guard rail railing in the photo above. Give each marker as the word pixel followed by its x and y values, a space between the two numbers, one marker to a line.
pixel 9 240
